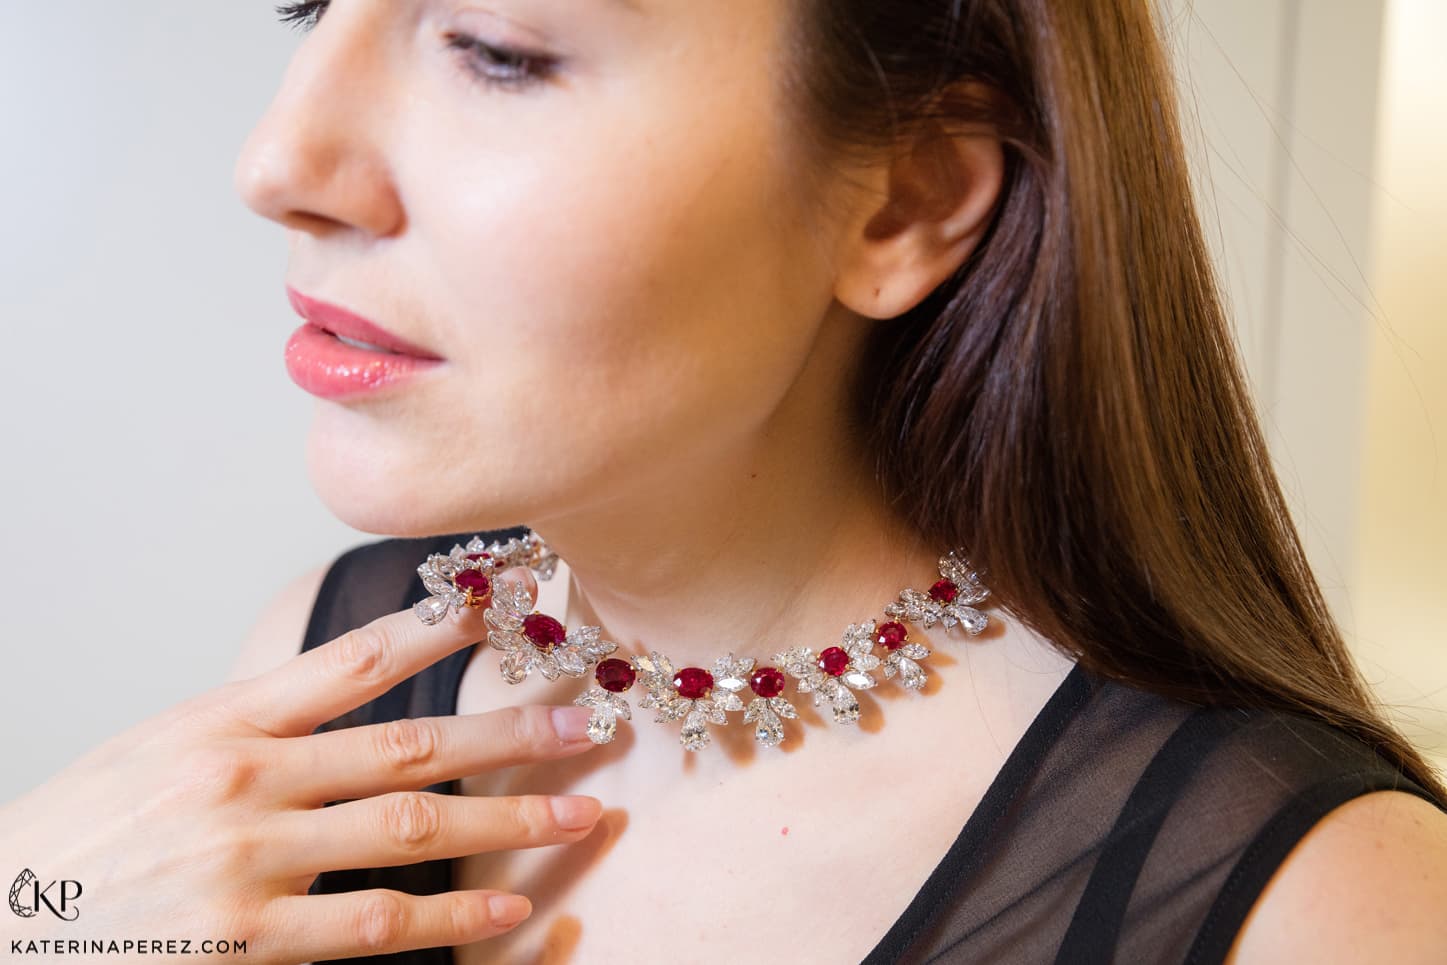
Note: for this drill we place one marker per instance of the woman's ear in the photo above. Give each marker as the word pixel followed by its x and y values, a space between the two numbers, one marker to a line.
pixel 928 208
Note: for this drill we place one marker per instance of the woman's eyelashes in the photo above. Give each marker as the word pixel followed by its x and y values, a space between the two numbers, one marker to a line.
pixel 303 13
pixel 501 66
pixel 491 64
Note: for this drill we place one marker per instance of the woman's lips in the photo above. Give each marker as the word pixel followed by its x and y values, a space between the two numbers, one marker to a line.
pixel 342 321
pixel 327 367
pixel 319 361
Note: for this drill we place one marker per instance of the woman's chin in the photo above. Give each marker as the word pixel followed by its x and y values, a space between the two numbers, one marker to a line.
pixel 374 490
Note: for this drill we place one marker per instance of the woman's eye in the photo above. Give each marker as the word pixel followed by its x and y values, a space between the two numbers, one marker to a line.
pixel 304 13
pixel 501 66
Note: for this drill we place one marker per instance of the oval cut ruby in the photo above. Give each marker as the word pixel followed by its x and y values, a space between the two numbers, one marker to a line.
pixel 614 675
pixel 944 591
pixel 891 635
pixel 474 582
pixel 543 631
pixel 834 661
pixel 767 681
pixel 693 682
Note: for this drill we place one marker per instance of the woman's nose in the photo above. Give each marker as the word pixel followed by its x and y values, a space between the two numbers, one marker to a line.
pixel 317 160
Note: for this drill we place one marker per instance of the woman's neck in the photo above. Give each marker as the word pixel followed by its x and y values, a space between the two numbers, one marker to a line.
pixel 761 590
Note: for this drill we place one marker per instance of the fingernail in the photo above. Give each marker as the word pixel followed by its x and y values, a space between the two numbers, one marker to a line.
pixel 508 909
pixel 571 723
pixel 575 812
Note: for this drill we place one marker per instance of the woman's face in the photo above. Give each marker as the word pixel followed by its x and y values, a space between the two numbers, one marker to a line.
pixel 613 256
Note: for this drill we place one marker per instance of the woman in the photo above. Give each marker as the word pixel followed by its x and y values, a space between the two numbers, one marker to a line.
pixel 754 311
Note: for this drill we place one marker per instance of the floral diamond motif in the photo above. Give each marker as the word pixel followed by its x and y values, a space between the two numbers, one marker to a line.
pixel 511 607
pixel 732 674
pixel 838 689
pixel 607 708
pixel 925 610
pixel 468 577
pixel 657 673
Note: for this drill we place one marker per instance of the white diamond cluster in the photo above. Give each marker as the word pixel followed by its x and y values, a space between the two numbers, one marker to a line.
pixel 583 648
pixel 439 572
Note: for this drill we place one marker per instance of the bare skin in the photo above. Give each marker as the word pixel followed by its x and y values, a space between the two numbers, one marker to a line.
pixel 648 329
pixel 836 806
pixel 649 323
pixel 206 822
pixel 650 326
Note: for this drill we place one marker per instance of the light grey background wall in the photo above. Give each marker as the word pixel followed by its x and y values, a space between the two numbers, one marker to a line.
pixel 154 488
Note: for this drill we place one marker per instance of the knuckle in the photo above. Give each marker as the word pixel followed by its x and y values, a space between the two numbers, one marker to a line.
pixel 235 853
pixel 407 742
pixel 221 773
pixel 534 816
pixel 381 921
pixel 248 932
pixel 412 820
pixel 467 915
pixel 526 727
pixel 361 654
pixel 244 918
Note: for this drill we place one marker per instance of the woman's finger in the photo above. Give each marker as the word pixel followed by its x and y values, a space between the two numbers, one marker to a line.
pixel 406 827
pixel 381 921
pixel 342 674
pixel 413 752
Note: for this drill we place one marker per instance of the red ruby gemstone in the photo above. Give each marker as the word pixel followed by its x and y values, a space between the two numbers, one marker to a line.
pixel 891 635
pixel 479 556
pixel 543 631
pixel 474 581
pixel 693 682
pixel 767 681
pixel 944 591
pixel 614 675
pixel 834 661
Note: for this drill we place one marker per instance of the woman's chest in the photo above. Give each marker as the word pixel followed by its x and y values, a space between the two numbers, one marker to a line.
pixel 743 876
pixel 806 855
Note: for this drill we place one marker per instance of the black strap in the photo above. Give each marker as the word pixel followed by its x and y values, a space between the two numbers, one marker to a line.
pixel 1274 842
pixel 1095 927
pixel 974 844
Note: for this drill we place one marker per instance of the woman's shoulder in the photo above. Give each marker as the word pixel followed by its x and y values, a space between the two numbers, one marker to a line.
pixel 1224 814
pixel 1366 883
pixel 1143 828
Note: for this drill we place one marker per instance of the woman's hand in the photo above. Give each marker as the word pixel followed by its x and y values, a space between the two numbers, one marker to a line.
pixel 206 823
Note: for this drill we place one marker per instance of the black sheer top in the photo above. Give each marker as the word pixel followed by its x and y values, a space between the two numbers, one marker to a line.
pixel 1124 826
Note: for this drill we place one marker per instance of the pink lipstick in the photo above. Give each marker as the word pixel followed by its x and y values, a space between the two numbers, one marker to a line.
pixel 323 359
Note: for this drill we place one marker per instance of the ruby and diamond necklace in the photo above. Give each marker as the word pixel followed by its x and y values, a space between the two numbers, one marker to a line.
pixel 699 697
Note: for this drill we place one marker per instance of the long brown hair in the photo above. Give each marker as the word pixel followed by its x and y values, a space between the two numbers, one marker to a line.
pixel 1069 406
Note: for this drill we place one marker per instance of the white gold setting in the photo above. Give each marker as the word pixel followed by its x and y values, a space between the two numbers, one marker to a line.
pixel 699 698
